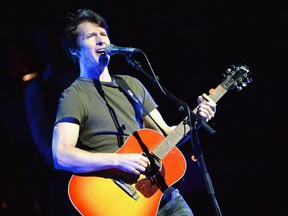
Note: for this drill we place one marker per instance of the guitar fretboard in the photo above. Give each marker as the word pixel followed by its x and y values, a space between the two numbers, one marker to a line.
pixel 183 128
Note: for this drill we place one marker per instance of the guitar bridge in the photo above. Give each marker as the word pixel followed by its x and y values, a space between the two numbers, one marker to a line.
pixel 127 189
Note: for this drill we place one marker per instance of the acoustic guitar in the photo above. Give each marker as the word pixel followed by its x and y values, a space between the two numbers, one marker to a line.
pixel 115 193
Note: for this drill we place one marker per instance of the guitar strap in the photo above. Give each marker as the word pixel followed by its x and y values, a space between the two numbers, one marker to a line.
pixel 121 82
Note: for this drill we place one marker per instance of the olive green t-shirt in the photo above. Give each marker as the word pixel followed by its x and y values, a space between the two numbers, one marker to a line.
pixel 105 114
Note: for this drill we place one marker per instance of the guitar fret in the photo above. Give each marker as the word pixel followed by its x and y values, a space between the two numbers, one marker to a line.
pixel 166 145
pixel 220 92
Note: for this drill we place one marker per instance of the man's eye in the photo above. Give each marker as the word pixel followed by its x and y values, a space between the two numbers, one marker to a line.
pixel 91 35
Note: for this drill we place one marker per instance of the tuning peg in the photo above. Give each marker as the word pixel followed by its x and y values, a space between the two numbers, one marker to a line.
pixel 244 84
pixel 228 71
pixel 239 88
pixel 249 79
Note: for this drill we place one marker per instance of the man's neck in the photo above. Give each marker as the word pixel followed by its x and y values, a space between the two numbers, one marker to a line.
pixel 96 74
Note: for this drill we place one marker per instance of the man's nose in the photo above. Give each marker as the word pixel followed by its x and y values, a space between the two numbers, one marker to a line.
pixel 99 42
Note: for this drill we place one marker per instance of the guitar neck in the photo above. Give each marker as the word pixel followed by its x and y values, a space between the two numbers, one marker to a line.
pixel 183 128
pixel 215 95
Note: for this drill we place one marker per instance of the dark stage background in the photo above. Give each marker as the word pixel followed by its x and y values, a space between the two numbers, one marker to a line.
pixel 189 45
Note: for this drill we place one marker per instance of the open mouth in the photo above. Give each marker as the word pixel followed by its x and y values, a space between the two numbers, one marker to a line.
pixel 101 51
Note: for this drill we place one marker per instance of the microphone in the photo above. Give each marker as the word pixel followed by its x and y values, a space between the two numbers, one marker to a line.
pixel 112 50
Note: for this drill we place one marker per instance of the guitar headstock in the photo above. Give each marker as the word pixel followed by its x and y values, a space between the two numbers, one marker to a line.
pixel 236 77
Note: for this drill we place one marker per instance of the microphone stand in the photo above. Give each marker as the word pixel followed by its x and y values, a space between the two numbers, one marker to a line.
pixel 196 147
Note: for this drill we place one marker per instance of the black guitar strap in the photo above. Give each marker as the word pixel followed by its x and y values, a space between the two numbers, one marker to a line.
pixel 121 82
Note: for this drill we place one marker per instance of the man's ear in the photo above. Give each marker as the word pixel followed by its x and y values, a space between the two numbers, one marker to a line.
pixel 74 52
